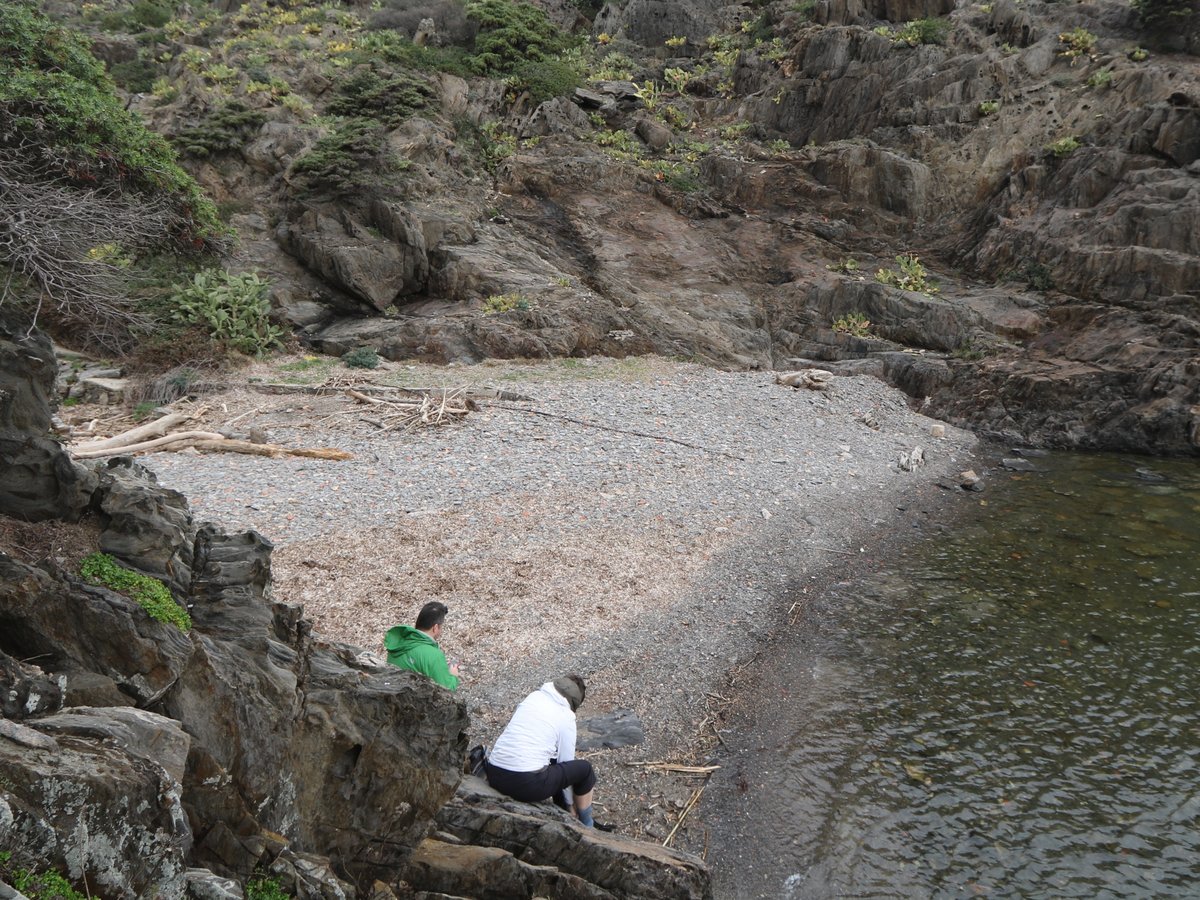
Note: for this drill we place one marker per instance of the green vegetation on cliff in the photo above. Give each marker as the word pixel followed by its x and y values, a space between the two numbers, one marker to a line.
pixel 149 593
pixel 88 191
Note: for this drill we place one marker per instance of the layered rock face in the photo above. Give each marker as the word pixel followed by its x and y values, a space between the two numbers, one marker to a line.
pixel 144 761
pixel 1053 198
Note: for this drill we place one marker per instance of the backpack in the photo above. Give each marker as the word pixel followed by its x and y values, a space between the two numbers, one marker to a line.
pixel 476 757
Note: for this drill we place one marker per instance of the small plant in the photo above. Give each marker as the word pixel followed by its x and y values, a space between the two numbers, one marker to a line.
pixel 1038 276
pixel 675 42
pixel 502 303
pixel 923 31
pixel 1138 54
pixel 603 38
pixel 143 410
pixel 149 593
pixel 1063 146
pixel 361 358
pixel 735 132
pixel 677 79
pixel 649 93
pixel 260 887
pixel 910 275
pixel 779 145
pixel 234 308
pixel 1100 79
pixel 1007 49
pixel 1076 44
pixel 882 31
pixel 854 323
pixel 848 266
pixel 968 351
pixel 989 108
pixel 563 281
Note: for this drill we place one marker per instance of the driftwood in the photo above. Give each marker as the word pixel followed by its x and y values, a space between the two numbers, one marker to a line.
pixel 272 450
pixel 676 767
pixel 387 390
pixel 211 440
pixel 429 410
pixel 142 446
pixel 135 435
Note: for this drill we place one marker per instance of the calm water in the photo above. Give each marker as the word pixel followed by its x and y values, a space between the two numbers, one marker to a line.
pixel 1015 714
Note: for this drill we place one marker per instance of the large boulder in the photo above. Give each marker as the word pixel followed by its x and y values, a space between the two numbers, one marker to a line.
pixel 93 794
pixel 38 480
pixel 72 628
pixel 543 836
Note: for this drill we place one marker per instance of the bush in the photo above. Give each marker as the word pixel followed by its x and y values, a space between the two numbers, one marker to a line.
pixel 389 97
pixel 910 275
pixel 547 79
pixel 346 160
pixel 234 309
pixel 511 35
pixel 361 358
pixel 149 593
pixel 1063 146
pixel 224 130
pixel 989 108
pixel 924 31
pixel 854 323
pixel 261 887
pixel 1077 43
pixel 58 106
pixel 502 303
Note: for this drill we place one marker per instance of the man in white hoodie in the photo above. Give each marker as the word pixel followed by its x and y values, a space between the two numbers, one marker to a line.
pixel 534 757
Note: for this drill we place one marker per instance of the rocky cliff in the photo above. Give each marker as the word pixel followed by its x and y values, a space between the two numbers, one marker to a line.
pixel 727 184
pixel 145 759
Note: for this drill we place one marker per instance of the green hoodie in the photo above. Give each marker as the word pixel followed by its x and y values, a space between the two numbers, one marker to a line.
pixel 411 649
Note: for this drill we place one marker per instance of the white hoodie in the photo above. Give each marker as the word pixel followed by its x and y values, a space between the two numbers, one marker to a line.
pixel 541 729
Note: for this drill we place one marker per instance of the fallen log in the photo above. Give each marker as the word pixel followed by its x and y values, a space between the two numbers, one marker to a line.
pixel 272 450
pixel 157 443
pixel 815 379
pixel 136 435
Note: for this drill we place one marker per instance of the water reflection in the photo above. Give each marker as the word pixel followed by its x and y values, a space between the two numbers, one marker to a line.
pixel 1013 715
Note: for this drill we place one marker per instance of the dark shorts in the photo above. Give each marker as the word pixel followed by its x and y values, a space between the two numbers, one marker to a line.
pixel 530 787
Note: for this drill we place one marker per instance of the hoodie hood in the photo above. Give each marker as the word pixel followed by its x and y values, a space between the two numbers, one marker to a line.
pixel 403 638
pixel 565 689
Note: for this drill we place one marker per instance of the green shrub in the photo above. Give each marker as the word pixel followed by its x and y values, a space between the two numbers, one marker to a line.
pixel 1100 79
pixel 224 130
pixel 1077 43
pixel 389 97
pixel 346 160
pixel 1168 16
pixel 1063 146
pixel 854 323
pixel 502 303
pixel 989 108
pixel 59 107
pixel 848 266
pixel 361 358
pixel 511 35
pixel 390 47
pixel 233 308
pixel 260 887
pixel 909 275
pixel 149 593
pixel 924 31
pixel 1138 54
pixel 136 76
pixel 547 79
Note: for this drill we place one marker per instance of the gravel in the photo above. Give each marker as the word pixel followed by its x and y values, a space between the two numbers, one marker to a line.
pixel 656 563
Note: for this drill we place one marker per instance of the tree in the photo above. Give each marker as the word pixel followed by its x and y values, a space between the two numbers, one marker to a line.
pixel 85 187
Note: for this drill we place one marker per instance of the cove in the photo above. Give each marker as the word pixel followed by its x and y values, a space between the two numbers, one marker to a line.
pixel 1010 711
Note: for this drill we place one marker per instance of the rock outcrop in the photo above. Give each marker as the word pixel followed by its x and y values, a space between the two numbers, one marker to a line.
pixel 1053 197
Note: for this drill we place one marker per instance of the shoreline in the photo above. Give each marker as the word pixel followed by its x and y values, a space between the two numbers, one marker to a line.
pixel 657 568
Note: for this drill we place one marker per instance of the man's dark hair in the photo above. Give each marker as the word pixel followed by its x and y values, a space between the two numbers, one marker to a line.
pixel 432 613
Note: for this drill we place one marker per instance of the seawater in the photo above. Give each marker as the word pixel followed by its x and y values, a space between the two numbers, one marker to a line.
pixel 1014 712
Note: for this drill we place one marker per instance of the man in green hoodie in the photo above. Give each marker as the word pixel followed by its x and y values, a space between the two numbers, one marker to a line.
pixel 417 648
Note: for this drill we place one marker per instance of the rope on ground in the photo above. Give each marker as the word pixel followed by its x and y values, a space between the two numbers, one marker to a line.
pixel 587 424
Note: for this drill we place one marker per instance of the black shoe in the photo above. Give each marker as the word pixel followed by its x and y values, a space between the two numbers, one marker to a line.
pixel 603 826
